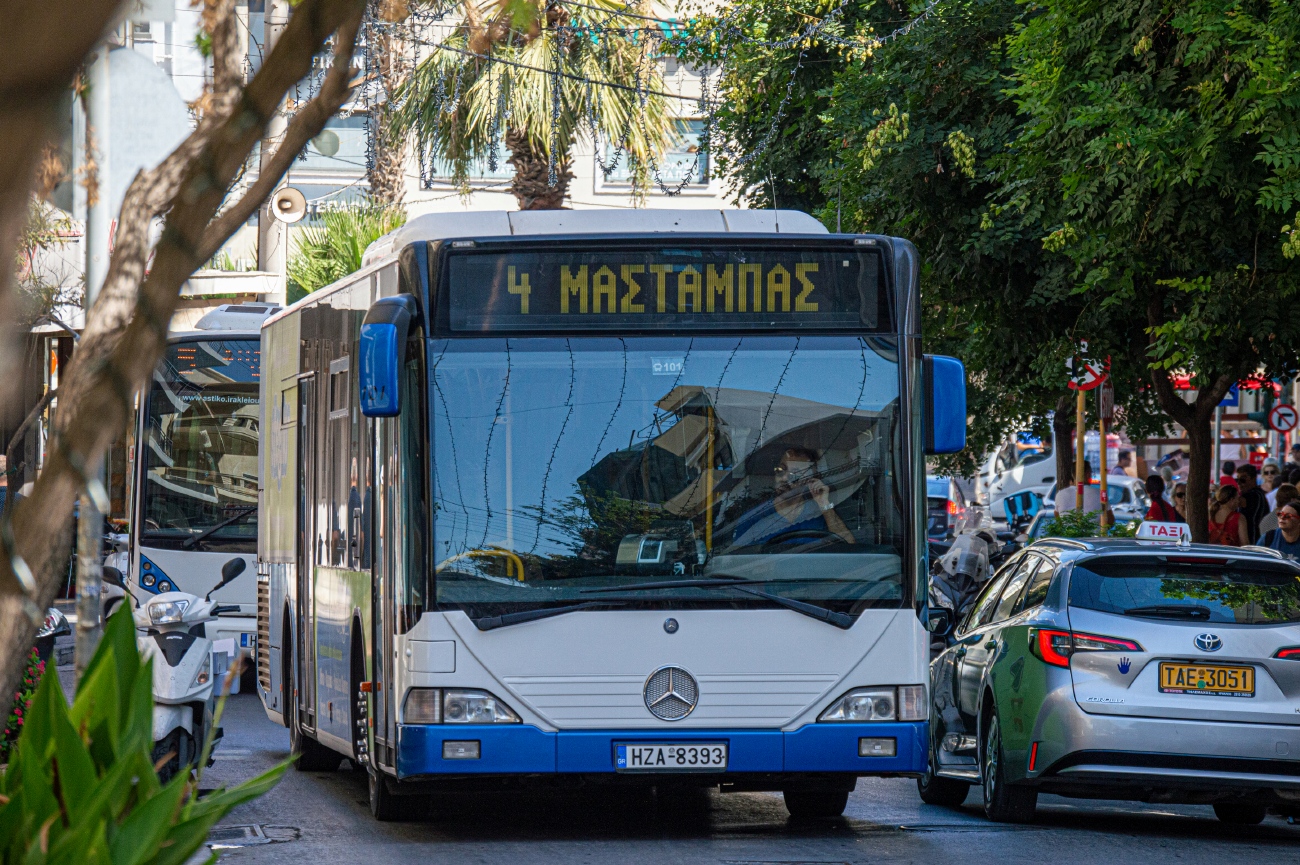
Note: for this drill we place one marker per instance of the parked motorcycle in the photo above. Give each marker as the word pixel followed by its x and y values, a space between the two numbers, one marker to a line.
pixel 185 670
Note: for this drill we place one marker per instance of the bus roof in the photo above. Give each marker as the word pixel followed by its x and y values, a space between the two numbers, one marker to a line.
pixel 504 223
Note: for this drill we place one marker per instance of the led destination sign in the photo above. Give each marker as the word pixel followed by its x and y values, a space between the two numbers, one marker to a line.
pixel 703 288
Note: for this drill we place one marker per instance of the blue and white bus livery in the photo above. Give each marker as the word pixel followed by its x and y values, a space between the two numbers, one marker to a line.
pixel 564 496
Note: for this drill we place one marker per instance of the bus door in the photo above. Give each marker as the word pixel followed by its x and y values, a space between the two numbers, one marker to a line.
pixel 387 566
pixel 305 684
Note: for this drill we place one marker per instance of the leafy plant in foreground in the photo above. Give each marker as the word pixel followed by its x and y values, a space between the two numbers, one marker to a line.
pixel 81 788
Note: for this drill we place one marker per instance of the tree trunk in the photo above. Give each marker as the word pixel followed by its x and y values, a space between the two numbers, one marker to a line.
pixel 531 184
pixel 126 329
pixel 1200 447
pixel 387 175
pixel 1196 418
pixel 1063 445
pixel 45 43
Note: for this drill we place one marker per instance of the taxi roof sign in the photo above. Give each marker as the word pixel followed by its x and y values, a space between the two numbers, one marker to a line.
pixel 1165 533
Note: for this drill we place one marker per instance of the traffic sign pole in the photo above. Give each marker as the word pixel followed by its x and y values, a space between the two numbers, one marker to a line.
pixel 1078 451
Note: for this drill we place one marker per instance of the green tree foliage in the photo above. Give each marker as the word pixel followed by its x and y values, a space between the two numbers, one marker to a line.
pixel 774 90
pixel 331 248
pixel 1154 153
pixel 1080 524
pixel 1122 172
pixel 80 786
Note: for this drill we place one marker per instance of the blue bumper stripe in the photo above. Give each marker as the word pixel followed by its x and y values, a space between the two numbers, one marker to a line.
pixel 517 749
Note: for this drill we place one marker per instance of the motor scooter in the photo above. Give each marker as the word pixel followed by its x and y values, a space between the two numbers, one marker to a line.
pixel 185 670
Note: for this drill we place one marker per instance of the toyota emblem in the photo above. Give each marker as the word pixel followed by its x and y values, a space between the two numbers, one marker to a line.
pixel 1208 642
pixel 671 693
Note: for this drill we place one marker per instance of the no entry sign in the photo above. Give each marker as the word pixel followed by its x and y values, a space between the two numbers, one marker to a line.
pixel 1283 418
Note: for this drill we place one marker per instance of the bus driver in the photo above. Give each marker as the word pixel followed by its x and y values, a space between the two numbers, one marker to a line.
pixel 801 504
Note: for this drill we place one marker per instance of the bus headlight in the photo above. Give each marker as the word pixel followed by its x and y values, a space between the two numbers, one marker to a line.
pixel 906 703
pixel 475 707
pixel 458 706
pixel 167 612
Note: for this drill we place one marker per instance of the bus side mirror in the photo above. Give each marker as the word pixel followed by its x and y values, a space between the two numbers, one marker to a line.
pixel 945 404
pixel 380 349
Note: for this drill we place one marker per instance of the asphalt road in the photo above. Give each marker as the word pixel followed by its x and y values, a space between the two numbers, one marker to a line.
pixel 324 818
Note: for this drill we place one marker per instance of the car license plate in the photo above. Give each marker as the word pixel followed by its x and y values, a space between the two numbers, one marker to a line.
pixel 678 757
pixel 1214 680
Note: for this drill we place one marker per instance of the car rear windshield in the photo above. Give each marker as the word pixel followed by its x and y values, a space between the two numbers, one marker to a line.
pixel 936 488
pixel 1209 591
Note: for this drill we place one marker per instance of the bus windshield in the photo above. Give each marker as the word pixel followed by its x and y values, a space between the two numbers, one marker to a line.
pixel 568 465
pixel 199 448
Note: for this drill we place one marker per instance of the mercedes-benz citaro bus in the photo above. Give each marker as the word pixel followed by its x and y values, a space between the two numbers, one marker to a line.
pixel 196 464
pixel 587 497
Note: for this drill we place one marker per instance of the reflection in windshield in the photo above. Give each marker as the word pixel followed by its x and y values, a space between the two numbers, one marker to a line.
pixel 200 447
pixel 561 465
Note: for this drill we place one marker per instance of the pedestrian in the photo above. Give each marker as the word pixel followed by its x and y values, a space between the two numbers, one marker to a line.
pixel 1066 496
pixel 1270 479
pixel 1286 537
pixel 1293 463
pixel 1229 471
pixel 1293 476
pixel 1160 511
pixel 1286 494
pixel 1226 525
pixel 1180 499
pixel 1122 464
pixel 1254 504
pixel 1167 475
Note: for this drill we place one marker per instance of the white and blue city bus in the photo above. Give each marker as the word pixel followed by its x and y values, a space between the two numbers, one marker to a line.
pixel 634 497
pixel 196 463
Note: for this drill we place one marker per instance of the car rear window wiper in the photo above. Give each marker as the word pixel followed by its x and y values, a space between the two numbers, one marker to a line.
pixel 489 623
pixel 721 581
pixel 1171 611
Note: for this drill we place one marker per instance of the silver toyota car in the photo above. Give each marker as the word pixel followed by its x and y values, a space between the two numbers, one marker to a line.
pixel 1122 669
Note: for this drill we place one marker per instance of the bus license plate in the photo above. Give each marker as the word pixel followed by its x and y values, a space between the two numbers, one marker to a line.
pixel 692 757
pixel 1213 680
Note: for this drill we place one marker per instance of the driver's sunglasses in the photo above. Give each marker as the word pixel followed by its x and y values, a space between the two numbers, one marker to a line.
pixel 1180 495
pixel 1271 471
pixel 1287 515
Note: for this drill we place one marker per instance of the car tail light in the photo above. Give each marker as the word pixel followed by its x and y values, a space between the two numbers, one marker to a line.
pixel 952 508
pixel 1291 653
pixel 1051 647
pixel 1055 647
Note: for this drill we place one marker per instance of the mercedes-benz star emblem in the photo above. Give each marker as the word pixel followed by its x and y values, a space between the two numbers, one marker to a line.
pixel 670 626
pixel 1208 642
pixel 671 693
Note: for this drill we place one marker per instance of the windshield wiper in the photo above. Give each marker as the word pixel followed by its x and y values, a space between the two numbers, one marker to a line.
pixel 489 623
pixel 830 617
pixel 1171 611
pixel 195 539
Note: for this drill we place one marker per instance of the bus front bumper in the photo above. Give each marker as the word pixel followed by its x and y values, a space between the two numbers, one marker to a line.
pixel 521 749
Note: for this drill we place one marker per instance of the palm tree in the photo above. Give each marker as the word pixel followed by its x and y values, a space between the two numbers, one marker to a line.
pixel 495 79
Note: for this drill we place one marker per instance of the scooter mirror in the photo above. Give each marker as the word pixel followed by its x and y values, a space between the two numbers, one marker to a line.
pixel 113 577
pixel 229 571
